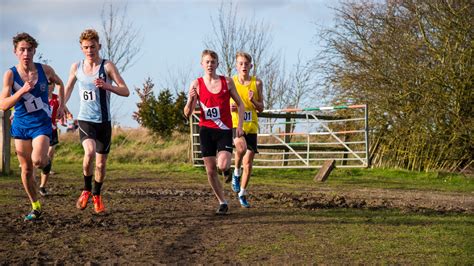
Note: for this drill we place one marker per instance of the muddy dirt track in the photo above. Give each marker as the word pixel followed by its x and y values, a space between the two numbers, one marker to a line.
pixel 170 222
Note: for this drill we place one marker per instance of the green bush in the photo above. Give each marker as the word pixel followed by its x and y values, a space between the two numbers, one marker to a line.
pixel 163 114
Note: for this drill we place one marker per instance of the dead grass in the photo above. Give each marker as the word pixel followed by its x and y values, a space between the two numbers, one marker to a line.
pixel 131 145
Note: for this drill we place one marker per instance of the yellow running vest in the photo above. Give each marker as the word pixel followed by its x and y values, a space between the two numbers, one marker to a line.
pixel 250 124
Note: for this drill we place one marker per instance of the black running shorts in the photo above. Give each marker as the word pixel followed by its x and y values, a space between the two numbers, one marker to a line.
pixel 100 132
pixel 54 138
pixel 213 140
pixel 250 139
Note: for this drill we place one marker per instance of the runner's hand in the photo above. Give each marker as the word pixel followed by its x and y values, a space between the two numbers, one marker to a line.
pixel 239 131
pixel 192 93
pixel 233 107
pixel 67 113
pixel 60 113
pixel 100 83
pixel 27 87
pixel 250 95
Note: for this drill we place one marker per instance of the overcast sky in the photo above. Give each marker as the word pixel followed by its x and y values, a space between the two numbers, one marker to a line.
pixel 173 34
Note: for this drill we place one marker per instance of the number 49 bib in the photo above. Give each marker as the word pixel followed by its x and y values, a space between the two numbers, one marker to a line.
pixel 212 113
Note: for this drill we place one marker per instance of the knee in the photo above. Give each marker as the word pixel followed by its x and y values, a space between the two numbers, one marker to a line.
pixel 89 155
pixel 37 163
pixel 223 164
pixel 240 147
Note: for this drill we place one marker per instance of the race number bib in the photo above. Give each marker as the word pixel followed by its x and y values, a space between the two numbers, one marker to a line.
pixel 33 104
pixel 248 116
pixel 212 113
pixel 88 96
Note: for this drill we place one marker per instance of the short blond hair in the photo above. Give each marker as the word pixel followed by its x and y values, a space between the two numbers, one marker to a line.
pixel 211 53
pixel 244 55
pixel 89 35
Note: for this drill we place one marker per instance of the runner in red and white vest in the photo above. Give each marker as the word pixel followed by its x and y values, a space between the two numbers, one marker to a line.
pixel 214 92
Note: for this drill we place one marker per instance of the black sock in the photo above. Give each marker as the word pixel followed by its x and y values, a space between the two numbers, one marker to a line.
pixel 97 187
pixel 227 172
pixel 47 168
pixel 88 183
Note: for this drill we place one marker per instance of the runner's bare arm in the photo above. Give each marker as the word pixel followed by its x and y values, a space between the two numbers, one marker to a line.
pixel 71 81
pixel 7 100
pixel 240 105
pixel 258 101
pixel 54 78
pixel 192 98
pixel 112 71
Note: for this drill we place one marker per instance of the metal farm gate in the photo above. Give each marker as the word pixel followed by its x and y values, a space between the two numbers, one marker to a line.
pixel 305 138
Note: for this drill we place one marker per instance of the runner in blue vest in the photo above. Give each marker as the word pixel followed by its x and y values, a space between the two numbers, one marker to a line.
pixel 94 76
pixel 25 86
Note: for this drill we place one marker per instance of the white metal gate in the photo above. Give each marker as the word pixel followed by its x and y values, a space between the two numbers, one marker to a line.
pixel 305 138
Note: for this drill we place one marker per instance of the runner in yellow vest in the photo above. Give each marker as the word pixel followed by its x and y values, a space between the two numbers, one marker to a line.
pixel 250 90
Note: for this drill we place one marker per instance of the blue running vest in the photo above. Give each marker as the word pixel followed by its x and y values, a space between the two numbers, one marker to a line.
pixel 33 109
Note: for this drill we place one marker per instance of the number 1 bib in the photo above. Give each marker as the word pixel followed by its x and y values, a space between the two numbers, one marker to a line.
pixel 33 104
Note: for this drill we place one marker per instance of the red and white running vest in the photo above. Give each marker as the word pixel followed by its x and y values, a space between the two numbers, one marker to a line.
pixel 215 108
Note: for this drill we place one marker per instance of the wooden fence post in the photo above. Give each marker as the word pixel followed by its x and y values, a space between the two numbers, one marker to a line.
pixel 5 141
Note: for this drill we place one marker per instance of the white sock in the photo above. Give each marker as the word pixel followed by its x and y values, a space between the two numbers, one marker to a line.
pixel 238 171
pixel 242 192
pixel 223 202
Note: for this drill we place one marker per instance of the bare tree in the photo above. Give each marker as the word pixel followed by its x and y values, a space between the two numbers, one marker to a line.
pixel 121 39
pixel 229 36
pixel 177 79
pixel 301 85
pixel 121 45
pixel 232 34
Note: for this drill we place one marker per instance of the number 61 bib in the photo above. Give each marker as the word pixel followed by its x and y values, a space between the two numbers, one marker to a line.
pixel 88 96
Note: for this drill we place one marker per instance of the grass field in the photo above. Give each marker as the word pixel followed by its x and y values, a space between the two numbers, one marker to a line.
pixel 163 213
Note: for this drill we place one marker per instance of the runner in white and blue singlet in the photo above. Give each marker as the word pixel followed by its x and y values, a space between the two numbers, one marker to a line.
pixel 95 102
pixel 94 76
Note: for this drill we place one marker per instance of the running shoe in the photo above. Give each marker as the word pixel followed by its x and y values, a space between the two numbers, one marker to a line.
pixel 43 192
pixel 98 205
pixel 83 199
pixel 243 201
pixel 235 183
pixel 223 208
pixel 34 215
